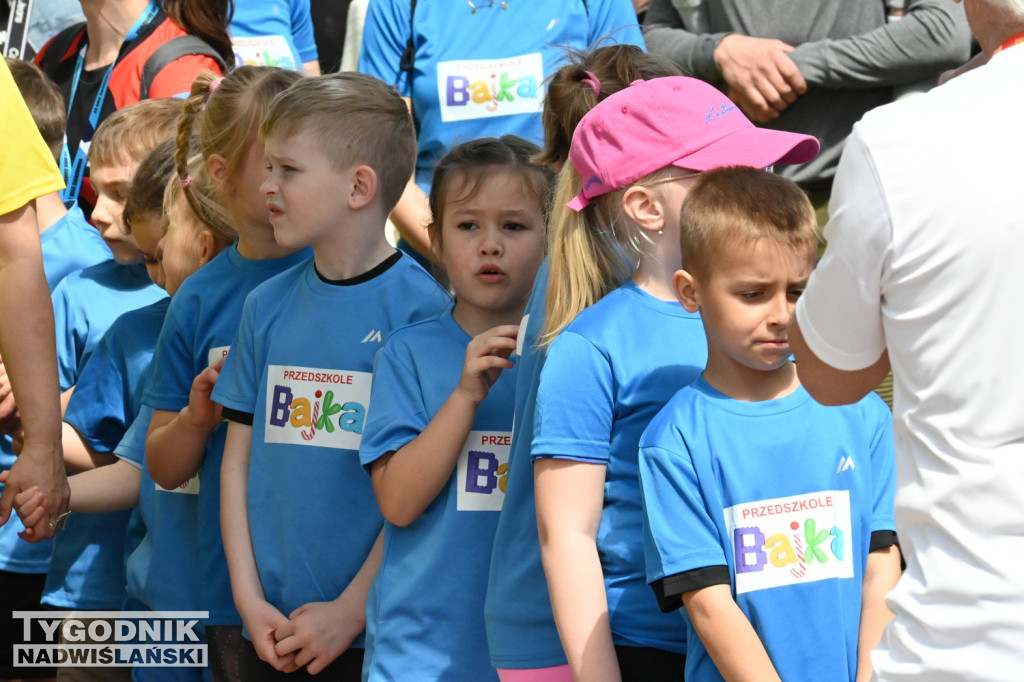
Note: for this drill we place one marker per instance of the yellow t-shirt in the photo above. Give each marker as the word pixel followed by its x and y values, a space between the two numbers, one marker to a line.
pixel 27 168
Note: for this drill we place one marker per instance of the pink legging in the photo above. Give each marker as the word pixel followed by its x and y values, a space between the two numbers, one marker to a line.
pixel 558 673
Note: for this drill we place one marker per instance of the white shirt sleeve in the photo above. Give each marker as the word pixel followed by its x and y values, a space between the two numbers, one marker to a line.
pixel 840 312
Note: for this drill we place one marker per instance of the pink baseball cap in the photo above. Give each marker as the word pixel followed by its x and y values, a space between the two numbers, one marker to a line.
pixel 674 121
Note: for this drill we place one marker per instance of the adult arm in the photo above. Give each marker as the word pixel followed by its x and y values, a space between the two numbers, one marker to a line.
pixel 31 364
pixel 836 332
pixel 880 576
pixel 570 498
pixel 932 36
pixel 728 636
pixel 758 72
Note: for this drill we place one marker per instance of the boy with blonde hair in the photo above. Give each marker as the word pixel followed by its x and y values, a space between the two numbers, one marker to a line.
pixel 301 526
pixel 86 303
pixel 761 505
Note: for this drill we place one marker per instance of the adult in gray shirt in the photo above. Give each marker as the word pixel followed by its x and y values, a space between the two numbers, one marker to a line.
pixel 809 66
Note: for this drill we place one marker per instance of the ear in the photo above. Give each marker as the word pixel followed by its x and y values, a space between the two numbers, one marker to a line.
pixel 217 167
pixel 363 190
pixel 686 290
pixel 207 246
pixel 641 205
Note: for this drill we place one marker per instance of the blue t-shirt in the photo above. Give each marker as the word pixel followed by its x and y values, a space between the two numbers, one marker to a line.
pixel 425 620
pixel 521 629
pixel 606 375
pixel 67 246
pixel 301 366
pixel 72 244
pixel 782 499
pixel 199 329
pixel 87 302
pixel 87 568
pixel 273 33
pixel 163 571
pixel 481 73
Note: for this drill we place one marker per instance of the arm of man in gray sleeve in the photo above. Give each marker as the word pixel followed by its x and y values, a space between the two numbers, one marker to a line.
pixel 932 36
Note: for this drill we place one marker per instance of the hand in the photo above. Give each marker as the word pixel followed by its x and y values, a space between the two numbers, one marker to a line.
pixel 28 503
pixel 203 413
pixel 41 467
pixel 762 79
pixel 262 620
pixel 318 632
pixel 486 356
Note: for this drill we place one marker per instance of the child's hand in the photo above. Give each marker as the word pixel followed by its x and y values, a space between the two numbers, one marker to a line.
pixel 318 632
pixel 262 621
pixel 29 504
pixel 203 413
pixel 486 356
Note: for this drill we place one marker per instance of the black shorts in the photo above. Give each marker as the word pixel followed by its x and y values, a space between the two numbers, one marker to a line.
pixel 20 592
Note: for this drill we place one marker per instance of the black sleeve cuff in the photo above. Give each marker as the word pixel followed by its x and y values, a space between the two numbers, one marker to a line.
pixel 880 539
pixel 669 590
pixel 237 416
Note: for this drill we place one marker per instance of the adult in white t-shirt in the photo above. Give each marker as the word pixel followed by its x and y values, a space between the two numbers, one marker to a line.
pixel 923 271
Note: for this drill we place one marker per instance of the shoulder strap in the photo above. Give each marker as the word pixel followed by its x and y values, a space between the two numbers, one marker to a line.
pixel 173 49
pixel 57 49
pixel 408 60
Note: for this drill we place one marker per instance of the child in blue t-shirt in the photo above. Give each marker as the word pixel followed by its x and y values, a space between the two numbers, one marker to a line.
pixel 611 366
pixel 186 434
pixel 769 516
pixel 438 434
pixel 298 513
pixel 86 303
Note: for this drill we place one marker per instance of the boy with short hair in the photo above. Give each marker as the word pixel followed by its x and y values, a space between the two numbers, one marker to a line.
pixel 299 518
pixel 86 303
pixel 769 516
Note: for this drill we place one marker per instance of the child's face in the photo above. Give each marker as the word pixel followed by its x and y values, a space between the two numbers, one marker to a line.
pixel 180 247
pixel 246 200
pixel 746 300
pixel 492 243
pixel 112 184
pixel 148 230
pixel 305 193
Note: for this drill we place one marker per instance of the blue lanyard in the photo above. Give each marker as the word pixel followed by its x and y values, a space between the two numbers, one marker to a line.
pixel 73 172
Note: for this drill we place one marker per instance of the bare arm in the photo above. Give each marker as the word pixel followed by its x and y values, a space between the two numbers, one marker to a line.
pixel 880 576
pixel 825 383
pixel 176 441
pixel 261 618
pixel 570 496
pixel 405 482
pixel 412 214
pixel 28 347
pixel 311 68
pixel 728 636
pixel 106 489
pixel 78 456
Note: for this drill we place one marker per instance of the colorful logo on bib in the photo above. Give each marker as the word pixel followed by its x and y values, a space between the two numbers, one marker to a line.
pixel 316 406
pixel 272 50
pixel 488 88
pixel 791 540
pixel 482 473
